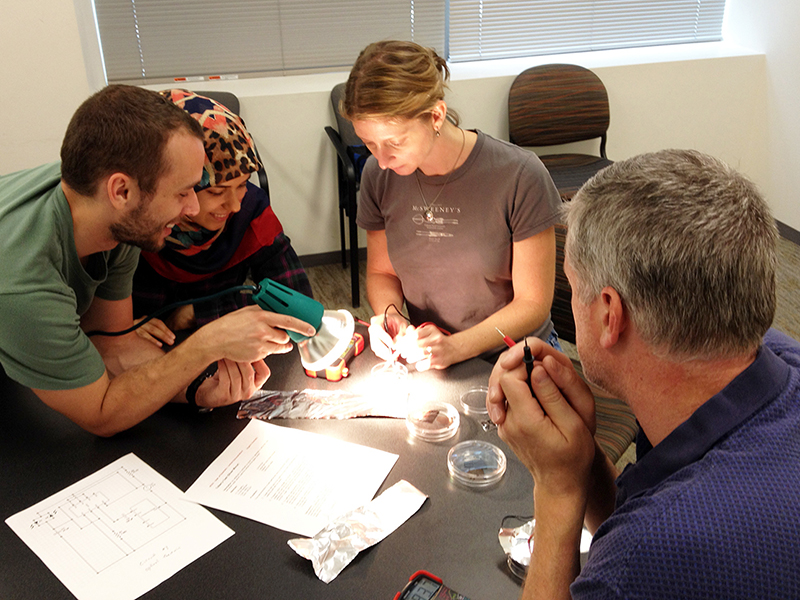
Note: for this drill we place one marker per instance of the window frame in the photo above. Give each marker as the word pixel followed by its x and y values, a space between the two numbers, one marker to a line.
pixel 96 72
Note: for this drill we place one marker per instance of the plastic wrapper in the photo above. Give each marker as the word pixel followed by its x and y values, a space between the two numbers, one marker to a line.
pixel 319 404
pixel 335 546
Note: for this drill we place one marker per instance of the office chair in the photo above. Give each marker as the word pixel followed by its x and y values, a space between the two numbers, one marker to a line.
pixel 561 310
pixel 231 102
pixel 351 154
pixel 560 104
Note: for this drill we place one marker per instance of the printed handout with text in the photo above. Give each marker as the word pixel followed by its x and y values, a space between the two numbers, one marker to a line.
pixel 291 479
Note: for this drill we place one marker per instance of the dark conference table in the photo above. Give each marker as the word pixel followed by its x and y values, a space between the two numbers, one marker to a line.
pixel 453 535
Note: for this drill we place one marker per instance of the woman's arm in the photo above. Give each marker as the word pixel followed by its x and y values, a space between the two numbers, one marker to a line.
pixel 383 285
pixel 533 278
pixel 383 290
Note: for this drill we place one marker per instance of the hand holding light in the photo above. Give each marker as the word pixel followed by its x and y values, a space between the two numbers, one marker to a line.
pixel 277 298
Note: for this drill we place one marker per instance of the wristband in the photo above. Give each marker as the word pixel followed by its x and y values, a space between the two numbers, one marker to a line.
pixel 191 391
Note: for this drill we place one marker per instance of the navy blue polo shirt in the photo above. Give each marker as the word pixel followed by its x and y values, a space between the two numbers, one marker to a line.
pixel 713 511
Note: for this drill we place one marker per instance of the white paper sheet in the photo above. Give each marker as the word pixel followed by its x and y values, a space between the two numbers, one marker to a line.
pixel 119 532
pixel 291 479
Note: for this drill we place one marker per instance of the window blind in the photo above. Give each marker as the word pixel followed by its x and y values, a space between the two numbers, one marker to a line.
pixel 487 29
pixel 153 40
pixel 156 40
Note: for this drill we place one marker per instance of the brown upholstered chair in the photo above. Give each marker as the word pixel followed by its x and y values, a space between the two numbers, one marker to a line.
pixel 553 105
pixel 560 104
pixel 561 310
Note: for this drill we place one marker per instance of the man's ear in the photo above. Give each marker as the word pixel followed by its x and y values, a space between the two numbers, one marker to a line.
pixel 614 317
pixel 121 190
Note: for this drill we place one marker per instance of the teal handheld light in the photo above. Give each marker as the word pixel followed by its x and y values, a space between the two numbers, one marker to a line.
pixel 277 298
pixel 326 352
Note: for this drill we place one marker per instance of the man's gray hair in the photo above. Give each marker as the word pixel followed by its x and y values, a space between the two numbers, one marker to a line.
pixel 687 242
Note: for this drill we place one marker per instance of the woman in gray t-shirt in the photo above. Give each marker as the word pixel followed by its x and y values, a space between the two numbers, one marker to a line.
pixel 459 224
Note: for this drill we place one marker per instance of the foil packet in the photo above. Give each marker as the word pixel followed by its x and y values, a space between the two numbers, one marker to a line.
pixel 318 404
pixel 517 543
pixel 336 545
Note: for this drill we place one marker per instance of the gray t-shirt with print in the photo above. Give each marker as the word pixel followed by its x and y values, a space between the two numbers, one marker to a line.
pixel 456 270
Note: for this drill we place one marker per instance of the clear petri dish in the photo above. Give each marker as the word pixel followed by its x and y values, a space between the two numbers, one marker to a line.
pixel 476 463
pixel 390 370
pixel 474 401
pixel 388 382
pixel 432 420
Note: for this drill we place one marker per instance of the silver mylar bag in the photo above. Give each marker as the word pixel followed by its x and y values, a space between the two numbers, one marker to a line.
pixel 335 546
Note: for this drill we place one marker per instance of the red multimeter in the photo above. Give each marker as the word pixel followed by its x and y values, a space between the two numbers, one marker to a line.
pixel 424 586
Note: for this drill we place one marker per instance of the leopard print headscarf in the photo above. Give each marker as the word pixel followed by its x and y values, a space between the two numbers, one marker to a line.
pixel 229 148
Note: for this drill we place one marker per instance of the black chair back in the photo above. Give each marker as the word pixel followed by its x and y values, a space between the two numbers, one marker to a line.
pixel 231 102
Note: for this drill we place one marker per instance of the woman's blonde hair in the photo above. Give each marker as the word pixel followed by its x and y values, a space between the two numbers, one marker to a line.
pixel 395 79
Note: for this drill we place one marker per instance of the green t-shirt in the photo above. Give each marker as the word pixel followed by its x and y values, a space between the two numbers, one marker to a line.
pixel 44 289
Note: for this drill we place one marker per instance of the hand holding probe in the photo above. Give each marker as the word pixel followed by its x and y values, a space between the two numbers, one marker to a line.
pixel 527 356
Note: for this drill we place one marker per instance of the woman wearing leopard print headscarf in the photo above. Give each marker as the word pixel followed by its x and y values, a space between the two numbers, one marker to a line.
pixel 235 236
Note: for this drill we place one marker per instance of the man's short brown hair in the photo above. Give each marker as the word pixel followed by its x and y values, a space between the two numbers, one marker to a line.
pixel 121 129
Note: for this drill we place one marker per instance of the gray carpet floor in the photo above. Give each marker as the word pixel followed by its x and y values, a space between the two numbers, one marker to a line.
pixel 787 317
pixel 331 285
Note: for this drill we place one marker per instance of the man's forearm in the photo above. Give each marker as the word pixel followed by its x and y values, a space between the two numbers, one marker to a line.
pixel 123 353
pixel 141 390
pixel 555 557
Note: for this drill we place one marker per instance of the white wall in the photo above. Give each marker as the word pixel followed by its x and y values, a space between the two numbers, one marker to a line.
pixel 724 104
pixel 771 28
pixel 43 80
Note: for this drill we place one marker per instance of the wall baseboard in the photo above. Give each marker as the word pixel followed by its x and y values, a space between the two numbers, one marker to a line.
pixel 788 233
pixel 329 258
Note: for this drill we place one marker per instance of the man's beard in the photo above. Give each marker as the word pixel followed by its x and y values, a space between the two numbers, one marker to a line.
pixel 138 230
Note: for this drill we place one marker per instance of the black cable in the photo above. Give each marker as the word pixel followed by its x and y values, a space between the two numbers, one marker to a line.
pixel 386 316
pixel 527 358
pixel 174 305
pixel 522 519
